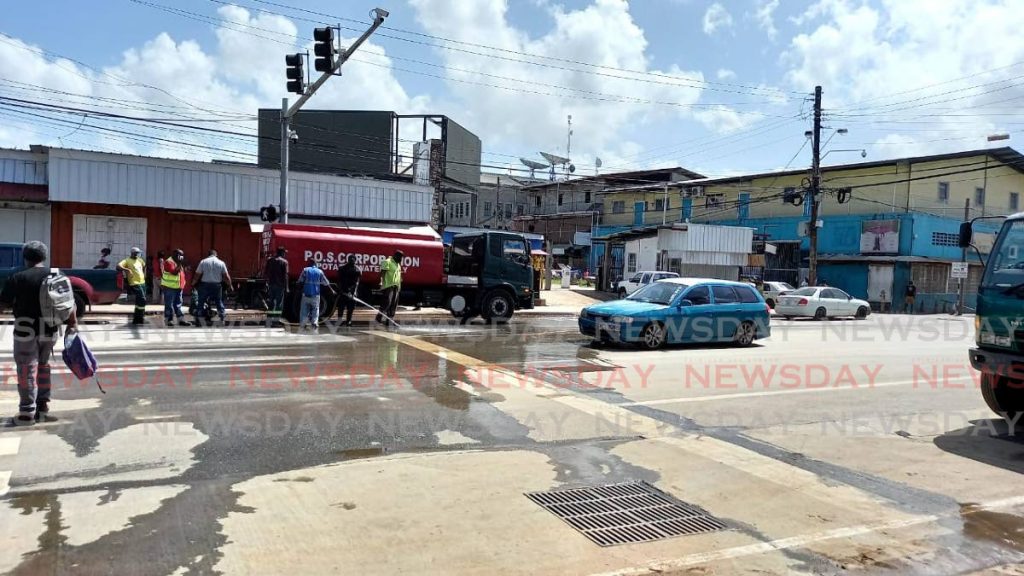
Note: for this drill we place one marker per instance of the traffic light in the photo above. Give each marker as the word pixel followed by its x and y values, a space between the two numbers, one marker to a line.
pixel 323 48
pixel 296 73
pixel 268 213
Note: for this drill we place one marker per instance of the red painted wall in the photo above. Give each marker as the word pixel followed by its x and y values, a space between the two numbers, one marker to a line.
pixel 166 231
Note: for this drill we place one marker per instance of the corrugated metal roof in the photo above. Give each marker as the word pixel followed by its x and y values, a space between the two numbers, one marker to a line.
pixel 81 176
pixel 22 167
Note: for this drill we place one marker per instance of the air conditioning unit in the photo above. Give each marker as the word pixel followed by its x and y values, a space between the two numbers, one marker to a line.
pixel 694 192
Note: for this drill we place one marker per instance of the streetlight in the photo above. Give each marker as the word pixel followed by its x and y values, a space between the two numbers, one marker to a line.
pixel 863 152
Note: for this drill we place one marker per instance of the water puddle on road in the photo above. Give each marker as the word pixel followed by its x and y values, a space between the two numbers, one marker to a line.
pixel 1006 530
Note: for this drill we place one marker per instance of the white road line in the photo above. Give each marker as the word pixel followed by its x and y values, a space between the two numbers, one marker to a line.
pixel 714 397
pixel 805 539
pixel 9 445
pixel 5 482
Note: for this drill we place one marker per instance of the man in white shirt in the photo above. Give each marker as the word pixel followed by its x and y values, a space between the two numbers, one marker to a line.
pixel 210 278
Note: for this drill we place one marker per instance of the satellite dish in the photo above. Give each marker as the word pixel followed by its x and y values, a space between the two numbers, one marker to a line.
pixel 597 162
pixel 572 168
pixel 532 164
pixel 553 159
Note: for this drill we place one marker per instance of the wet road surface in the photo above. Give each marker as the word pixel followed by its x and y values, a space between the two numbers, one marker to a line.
pixel 829 447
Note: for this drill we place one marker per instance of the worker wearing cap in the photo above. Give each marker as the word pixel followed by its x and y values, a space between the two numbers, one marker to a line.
pixel 390 286
pixel 134 270
pixel 172 278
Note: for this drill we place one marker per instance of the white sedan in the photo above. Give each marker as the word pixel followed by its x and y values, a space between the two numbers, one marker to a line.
pixel 820 302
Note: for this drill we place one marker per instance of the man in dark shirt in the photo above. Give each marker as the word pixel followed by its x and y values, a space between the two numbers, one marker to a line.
pixel 275 272
pixel 909 296
pixel 33 340
pixel 348 283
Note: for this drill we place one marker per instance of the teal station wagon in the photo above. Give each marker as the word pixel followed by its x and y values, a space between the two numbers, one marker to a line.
pixel 678 311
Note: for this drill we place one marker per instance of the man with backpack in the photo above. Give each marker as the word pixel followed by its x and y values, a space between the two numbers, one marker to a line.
pixel 134 270
pixel 43 300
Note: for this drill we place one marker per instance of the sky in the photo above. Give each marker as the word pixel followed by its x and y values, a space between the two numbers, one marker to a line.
pixel 718 87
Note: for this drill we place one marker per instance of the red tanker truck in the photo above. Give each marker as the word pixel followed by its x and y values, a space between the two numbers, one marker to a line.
pixel 484 274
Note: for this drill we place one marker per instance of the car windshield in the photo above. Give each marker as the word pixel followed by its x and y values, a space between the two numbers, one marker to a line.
pixel 782 286
pixel 1006 266
pixel 658 293
pixel 808 291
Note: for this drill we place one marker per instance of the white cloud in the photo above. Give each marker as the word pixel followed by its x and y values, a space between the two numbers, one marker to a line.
pixel 765 15
pixel 725 74
pixel 512 119
pixel 716 17
pixel 724 120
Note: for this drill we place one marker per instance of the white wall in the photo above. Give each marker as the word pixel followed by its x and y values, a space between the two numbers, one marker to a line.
pixel 24 224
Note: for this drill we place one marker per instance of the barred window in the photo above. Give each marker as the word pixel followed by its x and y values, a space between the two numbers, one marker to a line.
pixel 945 239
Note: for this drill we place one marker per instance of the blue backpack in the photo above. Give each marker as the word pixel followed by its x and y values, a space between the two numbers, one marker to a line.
pixel 79 359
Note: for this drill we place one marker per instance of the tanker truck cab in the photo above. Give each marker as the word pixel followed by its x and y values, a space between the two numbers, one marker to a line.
pixel 999 322
pixel 489 274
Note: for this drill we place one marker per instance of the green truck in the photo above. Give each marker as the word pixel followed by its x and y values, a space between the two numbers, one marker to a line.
pixel 90 286
pixel 999 321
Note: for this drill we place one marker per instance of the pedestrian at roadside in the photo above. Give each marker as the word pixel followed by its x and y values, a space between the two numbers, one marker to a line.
pixel 33 337
pixel 275 272
pixel 210 277
pixel 348 286
pixel 134 270
pixel 104 261
pixel 909 296
pixel 172 279
pixel 156 275
pixel 390 286
pixel 312 279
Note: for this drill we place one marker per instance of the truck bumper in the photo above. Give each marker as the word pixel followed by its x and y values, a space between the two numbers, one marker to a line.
pixel 999 363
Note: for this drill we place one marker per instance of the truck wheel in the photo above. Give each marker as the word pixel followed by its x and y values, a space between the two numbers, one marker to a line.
pixel 1003 395
pixel 327 306
pixel 498 307
pixel 81 305
pixel 290 308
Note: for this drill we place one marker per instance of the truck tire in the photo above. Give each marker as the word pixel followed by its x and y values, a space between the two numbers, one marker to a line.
pixel 498 307
pixel 81 305
pixel 1003 396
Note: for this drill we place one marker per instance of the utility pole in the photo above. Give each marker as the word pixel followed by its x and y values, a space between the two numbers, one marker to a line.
pixel 812 195
pixel 664 206
pixel 287 112
pixel 963 258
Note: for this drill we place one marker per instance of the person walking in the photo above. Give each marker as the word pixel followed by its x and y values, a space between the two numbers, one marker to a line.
pixel 172 278
pixel 909 296
pixel 311 279
pixel 275 272
pixel 390 286
pixel 134 270
pixel 104 262
pixel 33 338
pixel 348 285
pixel 156 276
pixel 211 276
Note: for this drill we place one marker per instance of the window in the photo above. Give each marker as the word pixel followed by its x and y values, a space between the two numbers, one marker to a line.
pixel 458 209
pixel 487 208
pixel 979 196
pixel 713 200
pixel 1014 201
pixel 515 250
pixel 537 201
pixel 943 191
pixel 631 263
pixel 586 197
pixel 646 279
pixel 519 209
pixel 724 295
pixel 747 295
pixel 618 206
pixel 659 204
pixel 699 295
pixel 508 210
pixel 560 199
pixel 636 278
pixel 829 293
pixel 945 239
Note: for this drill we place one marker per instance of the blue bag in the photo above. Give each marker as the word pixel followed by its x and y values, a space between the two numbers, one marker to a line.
pixel 79 359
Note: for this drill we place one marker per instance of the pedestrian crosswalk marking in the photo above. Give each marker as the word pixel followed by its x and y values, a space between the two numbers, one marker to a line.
pixel 5 482
pixel 9 446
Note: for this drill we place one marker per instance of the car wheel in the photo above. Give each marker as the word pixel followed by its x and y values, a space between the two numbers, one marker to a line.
pixel 862 312
pixel 1004 396
pixel 653 336
pixel 788 317
pixel 498 307
pixel 81 305
pixel 745 334
pixel 820 314
pixel 770 303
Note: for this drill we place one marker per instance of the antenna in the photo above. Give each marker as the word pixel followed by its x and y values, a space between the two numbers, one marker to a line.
pixel 555 160
pixel 597 166
pixel 532 165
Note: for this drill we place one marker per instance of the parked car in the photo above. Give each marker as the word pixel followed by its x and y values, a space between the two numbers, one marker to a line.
pixel 681 310
pixel 772 291
pixel 820 302
pixel 90 286
pixel 641 279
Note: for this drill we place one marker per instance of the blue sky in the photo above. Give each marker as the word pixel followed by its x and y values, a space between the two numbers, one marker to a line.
pixel 717 87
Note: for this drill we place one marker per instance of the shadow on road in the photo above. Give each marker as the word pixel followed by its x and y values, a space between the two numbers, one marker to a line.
pixel 986 441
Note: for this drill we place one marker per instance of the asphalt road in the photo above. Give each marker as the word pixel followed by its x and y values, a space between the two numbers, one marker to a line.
pixel 834 446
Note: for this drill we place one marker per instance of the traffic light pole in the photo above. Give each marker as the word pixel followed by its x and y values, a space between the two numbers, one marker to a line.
pixel 812 197
pixel 287 112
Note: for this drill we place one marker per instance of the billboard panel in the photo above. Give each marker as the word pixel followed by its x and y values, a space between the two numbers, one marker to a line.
pixel 332 141
pixel 880 237
pixel 462 154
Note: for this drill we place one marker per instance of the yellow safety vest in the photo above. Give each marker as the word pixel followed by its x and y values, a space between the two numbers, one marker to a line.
pixel 170 279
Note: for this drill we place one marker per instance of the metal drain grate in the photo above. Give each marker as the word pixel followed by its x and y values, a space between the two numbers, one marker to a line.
pixel 626 513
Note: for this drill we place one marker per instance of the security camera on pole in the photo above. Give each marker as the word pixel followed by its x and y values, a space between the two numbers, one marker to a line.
pixel 328 61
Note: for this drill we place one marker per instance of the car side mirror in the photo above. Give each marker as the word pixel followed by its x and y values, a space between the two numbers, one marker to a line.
pixel 685 302
pixel 966 234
